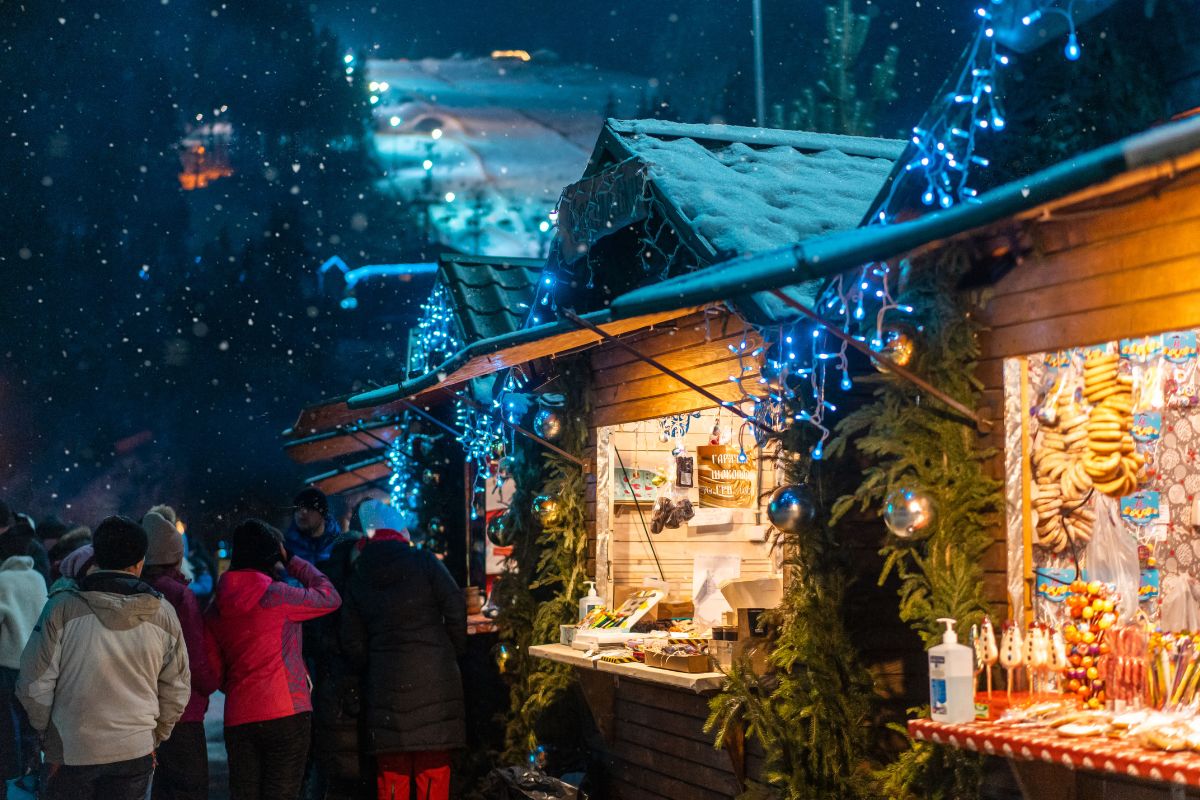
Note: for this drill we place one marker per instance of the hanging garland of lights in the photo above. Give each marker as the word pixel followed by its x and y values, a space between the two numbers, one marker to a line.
pixel 436 336
pixel 404 482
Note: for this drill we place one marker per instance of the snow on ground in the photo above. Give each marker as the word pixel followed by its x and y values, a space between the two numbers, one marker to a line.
pixel 487 145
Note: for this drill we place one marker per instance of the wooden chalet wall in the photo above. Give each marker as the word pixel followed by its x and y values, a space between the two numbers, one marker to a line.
pixel 625 389
pixel 1118 266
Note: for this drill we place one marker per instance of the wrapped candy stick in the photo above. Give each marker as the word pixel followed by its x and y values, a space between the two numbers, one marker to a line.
pixel 991 653
pixel 1010 651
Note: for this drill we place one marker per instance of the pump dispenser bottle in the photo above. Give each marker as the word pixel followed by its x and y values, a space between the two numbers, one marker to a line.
pixel 951 679
pixel 589 600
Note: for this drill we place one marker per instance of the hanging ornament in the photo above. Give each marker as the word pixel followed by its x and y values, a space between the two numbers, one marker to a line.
pixel 792 508
pixel 436 545
pixel 548 424
pixel 545 508
pixel 504 468
pixel 502 654
pixel 498 450
pixel 431 477
pixel 424 445
pixel 436 527
pixel 500 530
pixel 908 512
pixel 898 346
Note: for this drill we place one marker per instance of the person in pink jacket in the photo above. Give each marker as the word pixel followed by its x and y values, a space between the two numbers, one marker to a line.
pixel 254 642
pixel 182 761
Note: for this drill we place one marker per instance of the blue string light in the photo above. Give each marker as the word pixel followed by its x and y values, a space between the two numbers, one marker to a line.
pixel 436 337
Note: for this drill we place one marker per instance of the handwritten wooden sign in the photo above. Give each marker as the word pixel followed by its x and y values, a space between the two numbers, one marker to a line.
pixel 726 480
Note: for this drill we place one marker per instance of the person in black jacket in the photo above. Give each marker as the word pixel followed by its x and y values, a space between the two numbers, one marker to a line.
pixel 405 622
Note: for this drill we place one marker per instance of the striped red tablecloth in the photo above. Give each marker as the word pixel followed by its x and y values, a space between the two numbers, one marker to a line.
pixel 1043 744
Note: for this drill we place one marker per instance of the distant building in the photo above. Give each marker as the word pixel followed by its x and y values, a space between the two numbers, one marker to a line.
pixel 204 155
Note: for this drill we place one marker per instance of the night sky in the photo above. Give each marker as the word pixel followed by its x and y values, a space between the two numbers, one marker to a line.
pixel 157 341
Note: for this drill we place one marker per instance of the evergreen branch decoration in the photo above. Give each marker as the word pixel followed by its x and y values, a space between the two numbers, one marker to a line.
pixel 914 441
pixel 811 712
pixel 547 569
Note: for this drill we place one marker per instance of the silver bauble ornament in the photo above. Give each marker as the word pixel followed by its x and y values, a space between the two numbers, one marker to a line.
pixel 899 344
pixel 500 530
pixel 436 545
pixel 908 512
pixel 548 424
pixel 792 508
pixel 545 508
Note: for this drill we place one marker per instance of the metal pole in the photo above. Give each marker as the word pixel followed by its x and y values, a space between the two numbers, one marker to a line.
pixel 759 92
pixel 912 378
pixel 695 387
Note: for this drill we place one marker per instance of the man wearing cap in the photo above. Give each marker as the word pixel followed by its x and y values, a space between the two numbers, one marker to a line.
pixel 105 675
pixel 313 531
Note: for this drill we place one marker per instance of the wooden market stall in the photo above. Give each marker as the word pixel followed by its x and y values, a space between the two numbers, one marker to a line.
pixel 1085 277
pixel 666 423
pixel 645 211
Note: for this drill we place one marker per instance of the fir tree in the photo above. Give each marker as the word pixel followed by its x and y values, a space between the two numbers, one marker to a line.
pixel 913 441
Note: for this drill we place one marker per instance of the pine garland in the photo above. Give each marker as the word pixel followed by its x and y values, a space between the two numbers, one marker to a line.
pixel 550 563
pixel 913 441
pixel 811 713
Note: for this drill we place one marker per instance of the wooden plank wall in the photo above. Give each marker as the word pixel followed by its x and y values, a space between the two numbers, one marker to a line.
pixel 1126 265
pixel 629 549
pixel 626 389
pixel 660 750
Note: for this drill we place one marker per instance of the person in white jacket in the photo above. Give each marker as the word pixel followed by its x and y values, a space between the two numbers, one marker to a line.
pixel 105 675
pixel 22 596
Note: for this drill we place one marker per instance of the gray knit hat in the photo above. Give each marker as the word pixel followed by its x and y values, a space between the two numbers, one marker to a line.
pixel 166 543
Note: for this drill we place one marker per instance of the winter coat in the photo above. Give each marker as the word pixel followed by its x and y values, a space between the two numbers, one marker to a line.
pixel 33 548
pixel 22 596
pixel 315 551
pixel 337 683
pixel 405 621
pixel 173 586
pixel 254 640
pixel 104 677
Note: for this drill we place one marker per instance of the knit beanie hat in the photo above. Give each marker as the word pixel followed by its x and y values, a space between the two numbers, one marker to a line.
pixel 313 498
pixel 377 515
pixel 119 543
pixel 255 546
pixel 77 562
pixel 166 543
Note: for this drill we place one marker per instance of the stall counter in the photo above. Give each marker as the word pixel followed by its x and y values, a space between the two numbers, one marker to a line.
pixel 1049 765
pixel 698 682
pixel 652 725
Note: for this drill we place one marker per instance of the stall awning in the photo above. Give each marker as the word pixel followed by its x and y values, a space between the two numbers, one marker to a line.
pixel 352 476
pixel 345 439
pixel 825 256
pixel 488 356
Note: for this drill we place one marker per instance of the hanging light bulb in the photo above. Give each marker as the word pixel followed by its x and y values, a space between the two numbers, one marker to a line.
pixel 1072 51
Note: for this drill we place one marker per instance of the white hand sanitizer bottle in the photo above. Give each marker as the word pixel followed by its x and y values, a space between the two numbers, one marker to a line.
pixel 589 600
pixel 951 679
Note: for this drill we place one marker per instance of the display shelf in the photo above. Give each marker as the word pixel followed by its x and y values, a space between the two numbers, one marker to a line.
pixel 698 682
pixel 1093 753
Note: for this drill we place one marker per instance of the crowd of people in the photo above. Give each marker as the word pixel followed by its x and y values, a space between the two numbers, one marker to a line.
pixel 336 653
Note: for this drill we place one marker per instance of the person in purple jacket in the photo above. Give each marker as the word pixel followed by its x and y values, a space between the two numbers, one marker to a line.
pixel 182 772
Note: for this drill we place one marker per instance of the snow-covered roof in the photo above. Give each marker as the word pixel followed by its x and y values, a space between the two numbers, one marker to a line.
pixel 745 190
